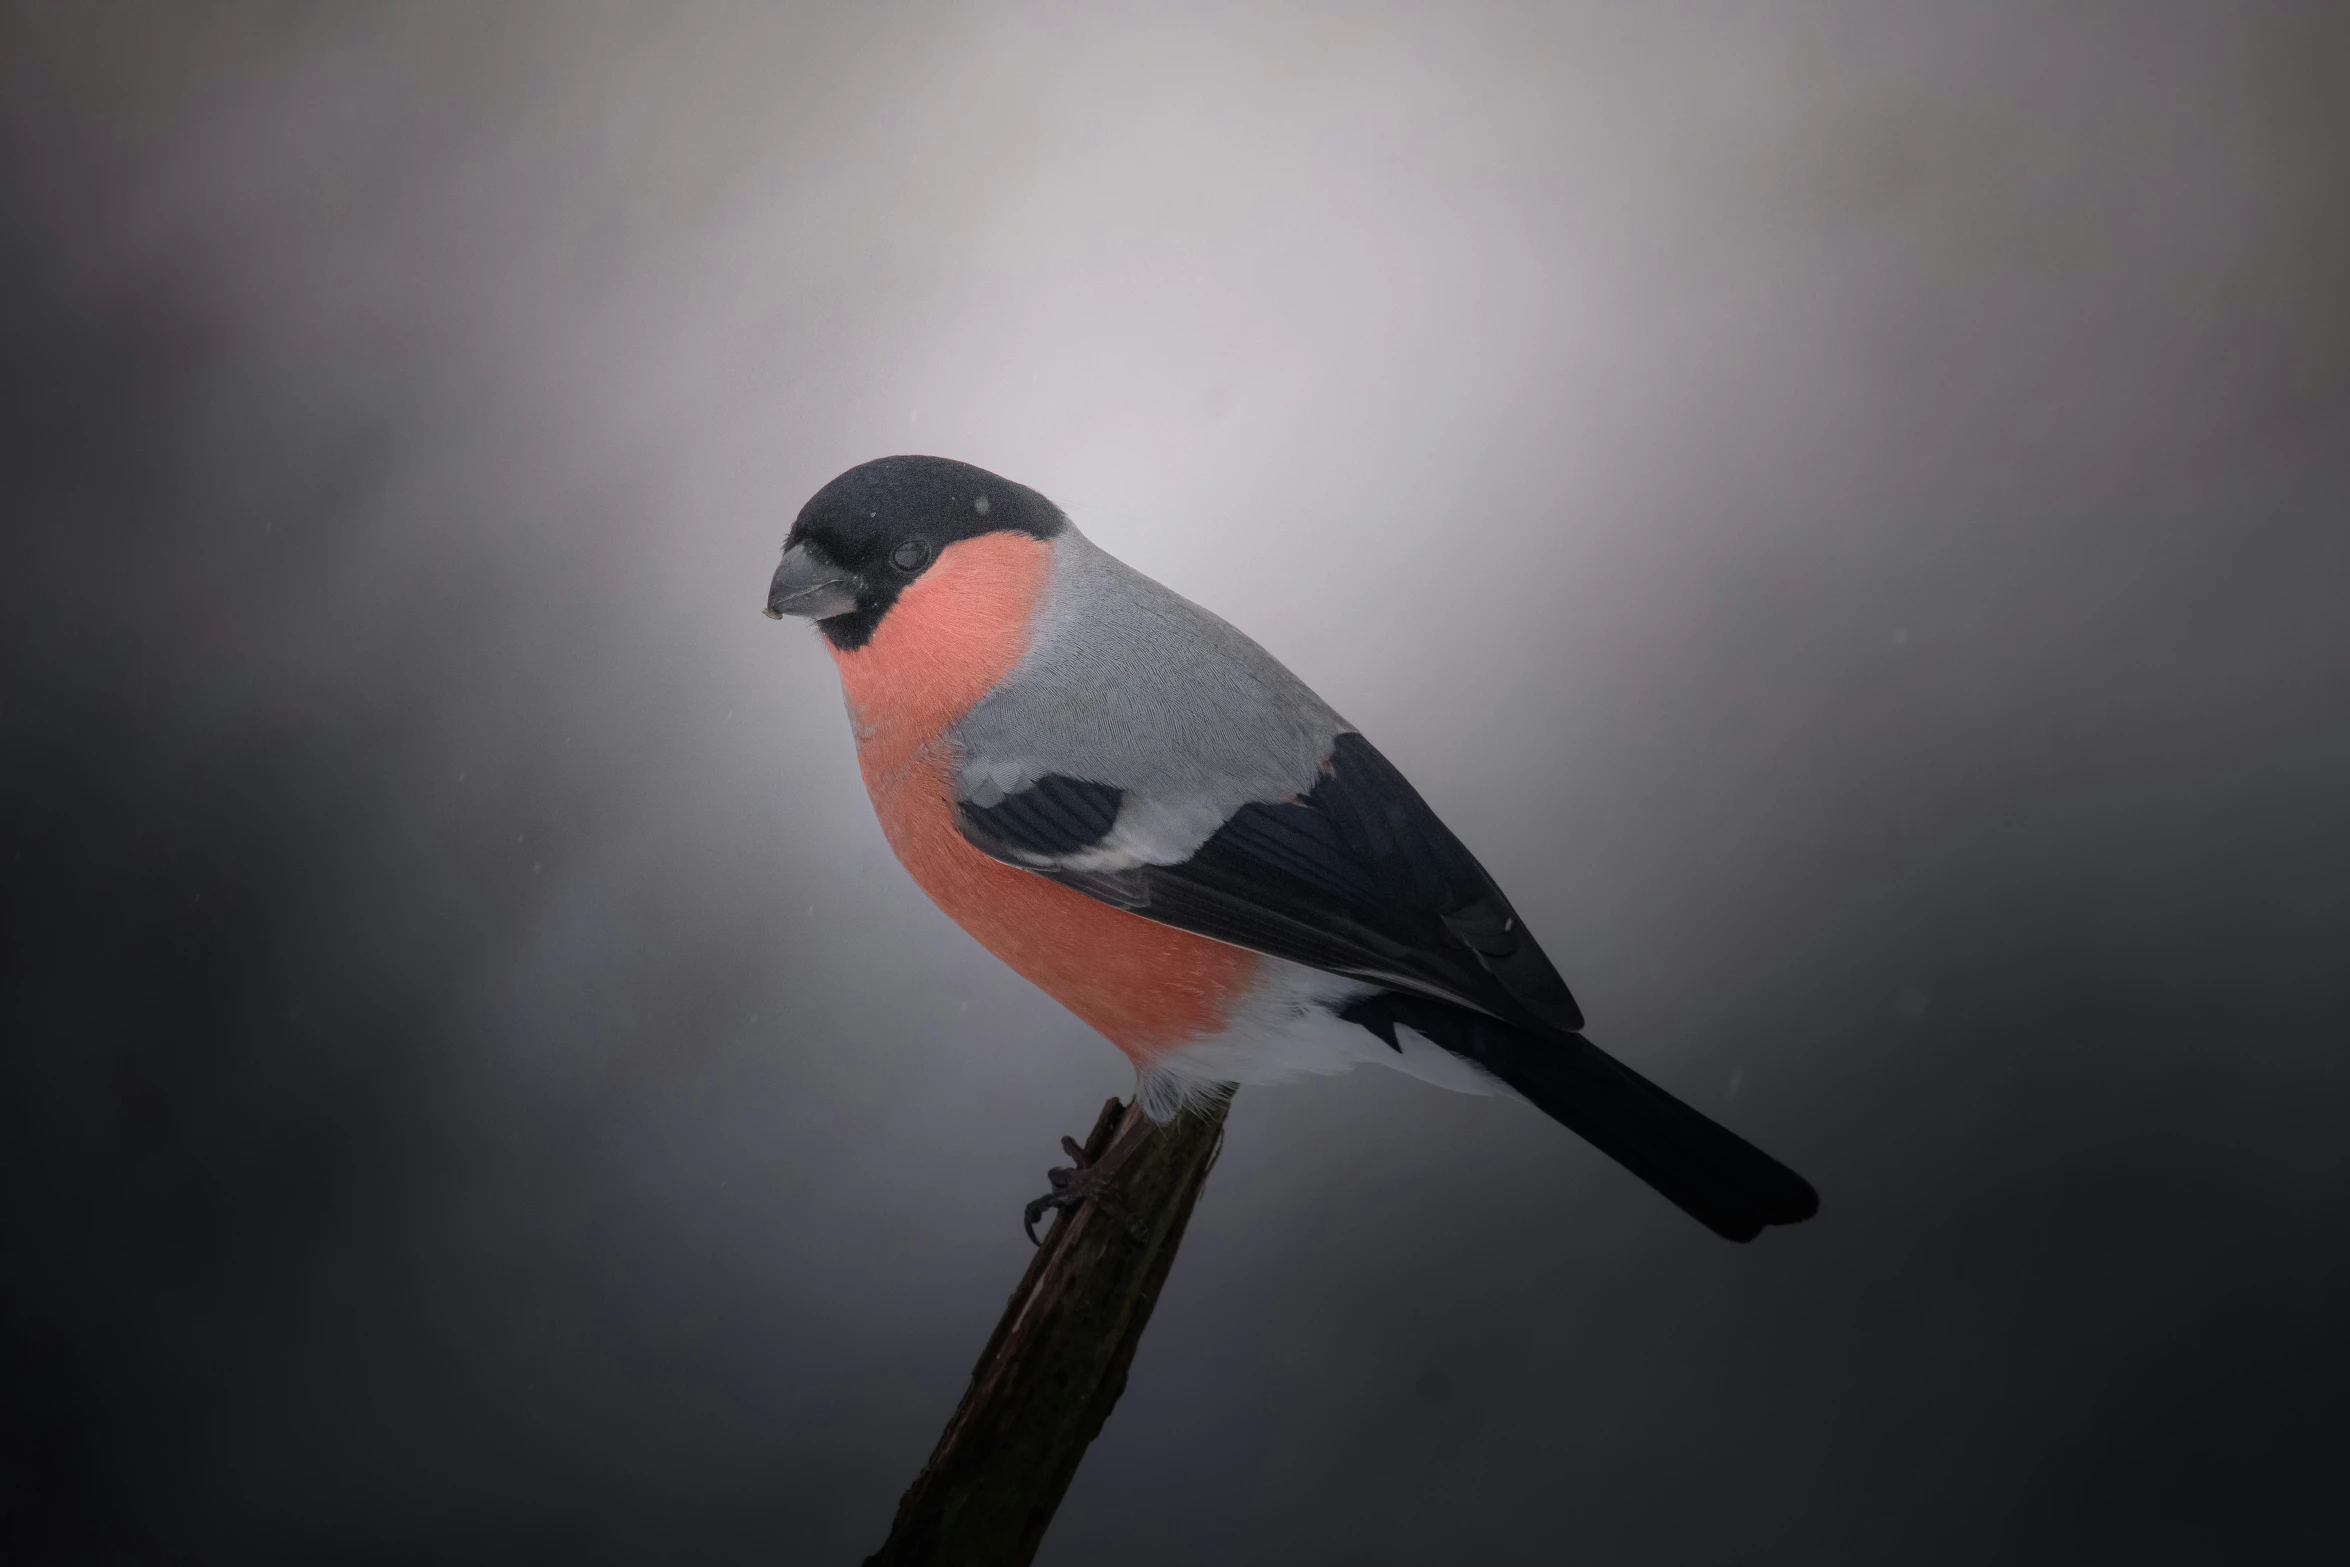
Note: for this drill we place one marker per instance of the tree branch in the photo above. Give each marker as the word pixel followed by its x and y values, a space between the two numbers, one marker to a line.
pixel 1057 1361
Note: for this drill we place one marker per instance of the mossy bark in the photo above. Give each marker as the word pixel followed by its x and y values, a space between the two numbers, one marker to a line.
pixel 1057 1362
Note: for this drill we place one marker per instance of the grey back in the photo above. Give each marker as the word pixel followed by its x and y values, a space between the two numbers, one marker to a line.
pixel 1128 684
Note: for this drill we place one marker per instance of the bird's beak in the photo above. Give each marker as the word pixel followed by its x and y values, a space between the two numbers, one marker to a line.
pixel 811 587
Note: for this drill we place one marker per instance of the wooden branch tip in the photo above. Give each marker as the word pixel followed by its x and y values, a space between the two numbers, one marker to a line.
pixel 1056 1364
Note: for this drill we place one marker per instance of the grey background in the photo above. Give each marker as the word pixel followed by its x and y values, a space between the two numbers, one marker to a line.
pixel 1841 505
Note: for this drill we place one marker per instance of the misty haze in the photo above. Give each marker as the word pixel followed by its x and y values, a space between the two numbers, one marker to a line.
pixel 1844 509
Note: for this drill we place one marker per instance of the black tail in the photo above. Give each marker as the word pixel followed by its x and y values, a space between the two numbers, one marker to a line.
pixel 1715 1176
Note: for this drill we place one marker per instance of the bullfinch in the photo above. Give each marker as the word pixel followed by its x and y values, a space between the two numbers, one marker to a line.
pixel 1142 812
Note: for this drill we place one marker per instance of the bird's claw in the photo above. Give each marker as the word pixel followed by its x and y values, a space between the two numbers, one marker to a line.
pixel 1073 1188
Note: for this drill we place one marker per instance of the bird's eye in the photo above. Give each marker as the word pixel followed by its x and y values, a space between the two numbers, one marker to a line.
pixel 910 556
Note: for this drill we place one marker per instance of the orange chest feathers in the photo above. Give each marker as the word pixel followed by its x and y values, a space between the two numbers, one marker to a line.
pixel 952 636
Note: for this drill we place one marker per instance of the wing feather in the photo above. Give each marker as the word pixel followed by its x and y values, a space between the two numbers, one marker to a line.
pixel 1358 877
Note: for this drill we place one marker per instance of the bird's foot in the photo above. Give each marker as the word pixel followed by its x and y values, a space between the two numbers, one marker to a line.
pixel 1075 1187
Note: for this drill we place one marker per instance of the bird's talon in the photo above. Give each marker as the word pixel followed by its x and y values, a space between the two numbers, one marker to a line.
pixel 1073 1189
pixel 1035 1211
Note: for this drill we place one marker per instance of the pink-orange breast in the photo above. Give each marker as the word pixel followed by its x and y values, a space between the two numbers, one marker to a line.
pixel 951 637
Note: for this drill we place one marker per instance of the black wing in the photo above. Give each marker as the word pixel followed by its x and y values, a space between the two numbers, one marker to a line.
pixel 1357 878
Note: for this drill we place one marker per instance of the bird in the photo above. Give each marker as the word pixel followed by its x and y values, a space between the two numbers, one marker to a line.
pixel 1141 811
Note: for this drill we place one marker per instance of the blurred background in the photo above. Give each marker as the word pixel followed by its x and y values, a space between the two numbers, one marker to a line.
pixel 1841 505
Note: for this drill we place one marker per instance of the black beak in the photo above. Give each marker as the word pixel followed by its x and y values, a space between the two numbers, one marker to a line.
pixel 811 587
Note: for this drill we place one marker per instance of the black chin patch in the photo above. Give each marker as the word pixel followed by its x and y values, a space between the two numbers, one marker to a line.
pixel 853 630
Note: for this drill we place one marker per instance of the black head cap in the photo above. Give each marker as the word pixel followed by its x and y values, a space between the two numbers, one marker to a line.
pixel 883 522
